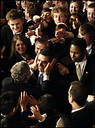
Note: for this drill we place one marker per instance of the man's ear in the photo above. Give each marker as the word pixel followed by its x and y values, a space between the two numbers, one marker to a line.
pixel 71 99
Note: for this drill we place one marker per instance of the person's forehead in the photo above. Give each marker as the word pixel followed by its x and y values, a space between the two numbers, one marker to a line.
pixel 40 44
pixel 91 9
pixel 74 3
pixel 43 57
pixel 15 20
pixel 74 47
pixel 59 13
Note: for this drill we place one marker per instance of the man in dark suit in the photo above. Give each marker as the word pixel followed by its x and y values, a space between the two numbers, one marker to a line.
pixel 79 57
pixel 15 26
pixel 81 116
pixel 43 65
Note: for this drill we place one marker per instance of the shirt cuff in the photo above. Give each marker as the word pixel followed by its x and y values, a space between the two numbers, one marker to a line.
pixel 43 118
pixel 45 77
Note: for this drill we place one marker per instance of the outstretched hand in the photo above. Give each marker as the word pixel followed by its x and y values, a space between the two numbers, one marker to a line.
pixel 23 100
pixel 36 113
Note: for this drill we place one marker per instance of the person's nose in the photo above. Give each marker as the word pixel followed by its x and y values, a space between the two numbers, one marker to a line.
pixel 15 26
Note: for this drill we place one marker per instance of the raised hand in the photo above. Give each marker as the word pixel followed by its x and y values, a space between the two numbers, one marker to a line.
pixel 49 67
pixel 33 66
pixel 36 113
pixel 23 100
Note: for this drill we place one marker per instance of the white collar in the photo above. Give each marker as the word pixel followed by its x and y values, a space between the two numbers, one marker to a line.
pixel 81 62
pixel 77 109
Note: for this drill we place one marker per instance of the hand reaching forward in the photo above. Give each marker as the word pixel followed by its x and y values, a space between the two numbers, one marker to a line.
pixel 23 100
pixel 36 113
pixel 34 65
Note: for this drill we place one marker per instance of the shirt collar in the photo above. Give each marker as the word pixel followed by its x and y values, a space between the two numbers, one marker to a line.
pixel 81 62
pixel 77 109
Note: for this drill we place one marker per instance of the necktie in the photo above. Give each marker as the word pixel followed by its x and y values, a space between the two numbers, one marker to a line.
pixel 78 71
pixel 41 78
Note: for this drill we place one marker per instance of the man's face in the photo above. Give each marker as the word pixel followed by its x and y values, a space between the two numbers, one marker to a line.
pixel 24 4
pixel 16 25
pixel 20 47
pixel 47 16
pixel 75 53
pixel 42 62
pixel 86 37
pixel 91 14
pixel 59 17
pixel 39 47
pixel 69 96
pixel 75 20
pixel 74 7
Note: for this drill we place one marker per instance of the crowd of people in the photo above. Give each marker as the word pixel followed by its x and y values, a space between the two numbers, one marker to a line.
pixel 47 64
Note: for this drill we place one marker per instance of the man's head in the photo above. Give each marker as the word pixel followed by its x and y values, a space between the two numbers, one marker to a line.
pixel 90 2
pixel 60 14
pixel 41 43
pixel 77 93
pixel 46 14
pixel 20 72
pixel 15 20
pixel 31 10
pixel 87 31
pixel 44 58
pixel 8 101
pixel 75 6
pixel 91 13
pixel 78 49
pixel 47 103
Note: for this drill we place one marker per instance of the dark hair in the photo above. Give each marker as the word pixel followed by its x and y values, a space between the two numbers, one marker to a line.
pixel 47 52
pixel 8 100
pixel 14 14
pixel 42 40
pixel 47 103
pixel 32 9
pixel 80 42
pixel 79 92
pixel 91 5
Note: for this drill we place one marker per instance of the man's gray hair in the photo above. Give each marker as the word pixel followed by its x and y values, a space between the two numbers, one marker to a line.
pixel 20 71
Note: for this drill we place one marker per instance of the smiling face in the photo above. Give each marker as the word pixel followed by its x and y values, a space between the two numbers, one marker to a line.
pixel 91 15
pixel 42 62
pixel 74 7
pixel 59 17
pixel 39 46
pixel 16 25
pixel 20 47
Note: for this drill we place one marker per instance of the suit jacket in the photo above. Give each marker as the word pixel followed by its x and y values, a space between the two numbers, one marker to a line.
pixel 57 85
pixel 88 77
pixel 82 118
